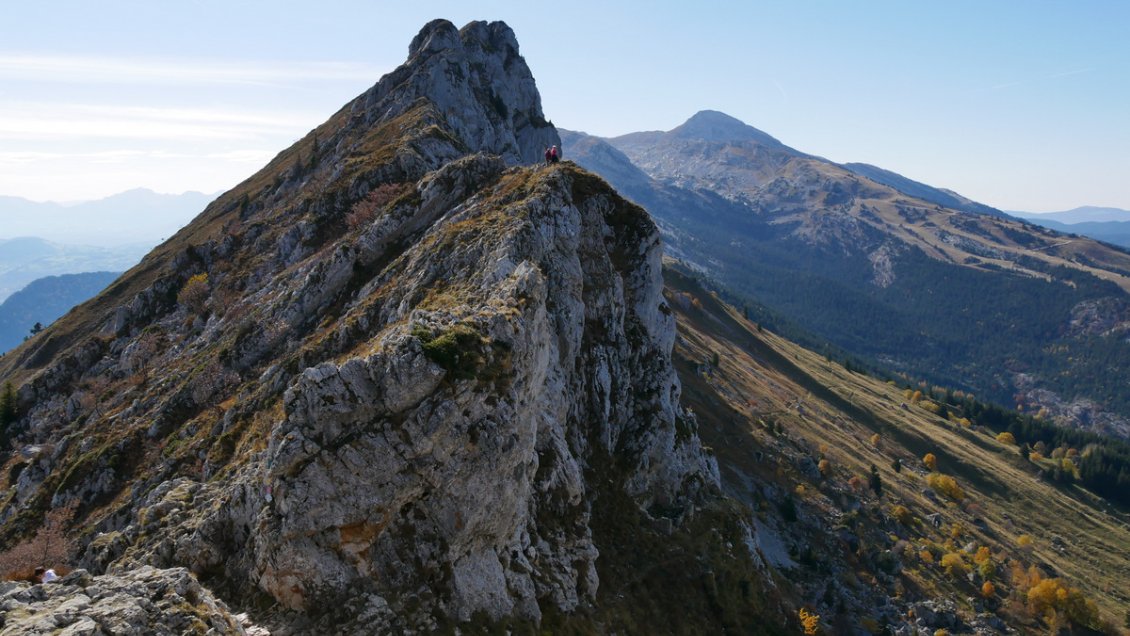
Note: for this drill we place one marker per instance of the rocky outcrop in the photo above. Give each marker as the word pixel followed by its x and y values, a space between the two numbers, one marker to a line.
pixel 411 368
pixel 443 467
pixel 144 602
pixel 477 82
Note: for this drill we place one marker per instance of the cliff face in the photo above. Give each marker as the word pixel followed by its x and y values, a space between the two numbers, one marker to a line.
pixel 385 381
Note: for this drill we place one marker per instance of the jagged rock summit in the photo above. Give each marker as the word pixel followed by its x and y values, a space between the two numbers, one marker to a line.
pixel 399 380
pixel 480 84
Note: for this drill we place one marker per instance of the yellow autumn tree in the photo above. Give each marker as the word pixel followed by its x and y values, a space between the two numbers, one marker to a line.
pixel 809 621
pixel 988 590
pixel 983 554
pixel 930 460
pixel 902 514
pixel 1006 438
pixel 1051 596
pixel 945 485
pixel 985 566
pixel 953 564
pixel 1068 466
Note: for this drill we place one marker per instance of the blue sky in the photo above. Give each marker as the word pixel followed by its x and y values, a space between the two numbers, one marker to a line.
pixel 1020 105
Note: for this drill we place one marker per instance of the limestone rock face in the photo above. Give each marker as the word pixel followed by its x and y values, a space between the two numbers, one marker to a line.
pixel 144 602
pixel 478 82
pixel 396 474
pixel 411 366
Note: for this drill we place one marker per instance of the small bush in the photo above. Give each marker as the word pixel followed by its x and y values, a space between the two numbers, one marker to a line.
pixel 983 555
pixel 50 547
pixel 809 622
pixel 1006 438
pixel 903 515
pixel 194 294
pixel 457 350
pixel 364 211
pixel 930 406
pixel 987 570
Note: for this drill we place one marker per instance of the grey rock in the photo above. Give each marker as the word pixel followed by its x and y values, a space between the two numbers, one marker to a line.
pixel 142 602
pixel 436 387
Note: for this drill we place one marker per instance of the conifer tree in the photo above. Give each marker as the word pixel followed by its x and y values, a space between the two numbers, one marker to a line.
pixel 875 481
pixel 7 413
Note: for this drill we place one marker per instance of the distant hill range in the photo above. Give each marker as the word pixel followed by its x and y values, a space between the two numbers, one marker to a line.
pixel 45 300
pixel 111 234
pixel 910 277
pixel 25 259
pixel 135 216
pixel 1105 224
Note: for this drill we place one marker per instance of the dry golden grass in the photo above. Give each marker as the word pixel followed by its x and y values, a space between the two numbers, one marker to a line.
pixel 763 378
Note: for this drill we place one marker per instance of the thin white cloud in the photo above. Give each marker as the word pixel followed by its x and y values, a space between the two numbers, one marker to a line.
pixel 1080 71
pixel 44 121
pixel 81 69
pixel 248 156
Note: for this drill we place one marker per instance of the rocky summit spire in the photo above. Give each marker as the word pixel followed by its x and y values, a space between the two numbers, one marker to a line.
pixel 394 382
pixel 478 82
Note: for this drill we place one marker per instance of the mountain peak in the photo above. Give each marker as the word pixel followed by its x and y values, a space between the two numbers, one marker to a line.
pixel 441 324
pixel 477 82
pixel 441 35
pixel 712 125
pixel 436 35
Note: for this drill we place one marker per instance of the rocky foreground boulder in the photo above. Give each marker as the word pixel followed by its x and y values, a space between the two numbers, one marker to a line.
pixel 143 602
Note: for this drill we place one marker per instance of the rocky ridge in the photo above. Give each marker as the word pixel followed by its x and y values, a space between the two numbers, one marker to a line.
pixel 383 383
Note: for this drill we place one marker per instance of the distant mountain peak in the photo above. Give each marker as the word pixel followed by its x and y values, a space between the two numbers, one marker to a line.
pixel 712 125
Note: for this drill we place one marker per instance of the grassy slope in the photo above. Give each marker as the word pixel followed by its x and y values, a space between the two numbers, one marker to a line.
pixel 762 378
